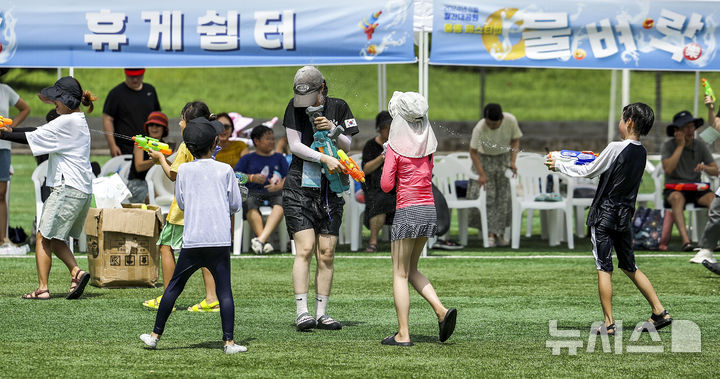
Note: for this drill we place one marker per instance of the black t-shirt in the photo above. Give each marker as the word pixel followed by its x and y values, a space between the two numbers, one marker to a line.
pixel 336 110
pixel 134 173
pixel 371 151
pixel 129 110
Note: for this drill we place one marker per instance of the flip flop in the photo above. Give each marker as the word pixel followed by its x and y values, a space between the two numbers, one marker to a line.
pixel 390 341
pixel 714 267
pixel 447 325
pixel 80 280
pixel 203 306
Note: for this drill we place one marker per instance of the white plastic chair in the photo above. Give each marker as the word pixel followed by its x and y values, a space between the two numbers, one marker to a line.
pixel 242 230
pixel 580 203
pixel 161 189
pixel 445 173
pixel 697 216
pixel 120 164
pixel 655 171
pixel 38 178
pixel 532 177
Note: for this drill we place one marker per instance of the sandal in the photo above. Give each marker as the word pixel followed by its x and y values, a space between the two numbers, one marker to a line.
pixel 35 295
pixel 77 284
pixel 605 330
pixel 687 246
pixel 372 248
pixel 203 306
pixel 155 303
pixel 656 321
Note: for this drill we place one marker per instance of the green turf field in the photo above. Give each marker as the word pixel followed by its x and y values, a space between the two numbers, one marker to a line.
pixel 504 308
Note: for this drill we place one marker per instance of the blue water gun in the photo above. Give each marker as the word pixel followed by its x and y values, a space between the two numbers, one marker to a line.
pixel 323 141
pixel 579 157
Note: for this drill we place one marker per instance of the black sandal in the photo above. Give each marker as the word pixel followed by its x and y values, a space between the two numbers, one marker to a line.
pixel 687 247
pixel 605 330
pixel 658 322
pixel 714 267
pixel 390 340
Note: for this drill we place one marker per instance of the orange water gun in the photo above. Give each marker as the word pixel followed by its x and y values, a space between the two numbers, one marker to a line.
pixel 687 186
pixel 350 167
pixel 5 121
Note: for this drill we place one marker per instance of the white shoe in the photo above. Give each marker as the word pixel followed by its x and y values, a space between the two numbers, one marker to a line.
pixel 8 248
pixel 491 242
pixel 702 255
pixel 256 246
pixel 234 348
pixel 268 248
pixel 22 250
pixel 499 242
pixel 149 340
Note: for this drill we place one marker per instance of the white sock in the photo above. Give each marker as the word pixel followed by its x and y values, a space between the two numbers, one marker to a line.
pixel 301 303
pixel 321 303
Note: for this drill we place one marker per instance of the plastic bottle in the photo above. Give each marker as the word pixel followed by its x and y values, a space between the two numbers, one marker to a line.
pixel 275 179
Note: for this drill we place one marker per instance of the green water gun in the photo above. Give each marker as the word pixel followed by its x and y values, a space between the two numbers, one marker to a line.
pixel 708 89
pixel 147 144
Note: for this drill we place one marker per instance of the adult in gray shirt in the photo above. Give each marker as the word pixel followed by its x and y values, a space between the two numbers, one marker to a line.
pixel 684 159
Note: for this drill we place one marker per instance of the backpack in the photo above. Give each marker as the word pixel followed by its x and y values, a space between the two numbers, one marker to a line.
pixel 443 212
pixel 647 228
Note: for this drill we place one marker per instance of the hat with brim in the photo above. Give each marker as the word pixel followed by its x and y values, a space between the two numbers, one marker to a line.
pixel 200 133
pixel 66 90
pixel 157 118
pixel 411 134
pixel 134 71
pixel 680 120
pixel 306 86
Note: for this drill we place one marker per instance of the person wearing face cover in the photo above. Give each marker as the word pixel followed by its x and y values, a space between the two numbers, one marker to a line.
pixel 408 170
pixel 313 211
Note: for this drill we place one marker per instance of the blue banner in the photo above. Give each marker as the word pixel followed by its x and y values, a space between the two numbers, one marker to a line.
pixel 183 33
pixel 607 34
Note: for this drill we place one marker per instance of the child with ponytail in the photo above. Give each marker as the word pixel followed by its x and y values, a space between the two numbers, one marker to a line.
pixel 67 141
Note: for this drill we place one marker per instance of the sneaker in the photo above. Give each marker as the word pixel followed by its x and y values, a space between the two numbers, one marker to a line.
pixel 234 348
pixel 305 321
pixel 7 249
pixel 256 246
pixel 702 255
pixel 22 250
pixel 491 242
pixel 499 242
pixel 327 323
pixel 268 248
pixel 149 340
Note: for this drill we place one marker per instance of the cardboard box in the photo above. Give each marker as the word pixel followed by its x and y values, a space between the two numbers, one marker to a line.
pixel 121 245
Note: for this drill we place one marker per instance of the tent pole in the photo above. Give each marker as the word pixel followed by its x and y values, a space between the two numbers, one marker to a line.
pixel 421 59
pixel 697 90
pixel 625 87
pixel 613 105
pixel 382 87
pixel 426 61
pixel 72 71
pixel 59 72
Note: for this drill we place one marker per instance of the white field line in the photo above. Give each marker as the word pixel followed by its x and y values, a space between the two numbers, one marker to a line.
pixel 286 256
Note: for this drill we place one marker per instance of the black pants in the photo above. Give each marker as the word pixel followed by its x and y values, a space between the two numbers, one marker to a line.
pixel 215 259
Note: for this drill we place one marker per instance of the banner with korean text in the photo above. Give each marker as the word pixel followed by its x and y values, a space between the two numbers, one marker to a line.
pixel 183 33
pixel 600 34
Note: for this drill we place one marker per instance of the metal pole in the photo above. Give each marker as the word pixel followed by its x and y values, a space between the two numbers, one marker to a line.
pixel 697 90
pixel 426 69
pixel 613 102
pixel 382 87
pixel 482 91
pixel 625 87
pixel 421 58
pixel 72 71
pixel 59 73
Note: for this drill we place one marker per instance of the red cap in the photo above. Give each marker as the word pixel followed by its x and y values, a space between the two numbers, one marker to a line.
pixel 134 71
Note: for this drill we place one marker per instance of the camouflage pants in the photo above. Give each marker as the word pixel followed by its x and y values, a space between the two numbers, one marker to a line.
pixel 499 211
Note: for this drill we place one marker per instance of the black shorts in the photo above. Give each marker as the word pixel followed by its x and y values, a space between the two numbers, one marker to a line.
pixel 604 240
pixel 257 199
pixel 307 208
pixel 691 197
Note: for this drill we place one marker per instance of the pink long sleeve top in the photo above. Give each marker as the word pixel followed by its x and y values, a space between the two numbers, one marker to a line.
pixel 411 176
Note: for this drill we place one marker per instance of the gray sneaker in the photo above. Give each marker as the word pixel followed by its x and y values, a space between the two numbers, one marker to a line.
pixel 234 348
pixel 149 340
pixel 268 248
pixel 305 321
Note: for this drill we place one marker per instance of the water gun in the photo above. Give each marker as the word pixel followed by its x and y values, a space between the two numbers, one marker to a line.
pixel 687 186
pixel 579 157
pixel 147 144
pixel 324 144
pixel 350 167
pixel 242 179
pixel 5 121
pixel 708 89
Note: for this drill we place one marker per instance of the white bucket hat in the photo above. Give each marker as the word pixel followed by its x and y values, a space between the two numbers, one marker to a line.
pixel 410 132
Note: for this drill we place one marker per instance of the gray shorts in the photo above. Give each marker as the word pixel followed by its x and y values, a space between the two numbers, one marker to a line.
pixel 256 200
pixel 64 212
pixel 139 190
pixel 4 165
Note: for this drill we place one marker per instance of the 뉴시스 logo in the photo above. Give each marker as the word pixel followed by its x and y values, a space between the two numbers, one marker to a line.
pixel 8 39
pixel 685 337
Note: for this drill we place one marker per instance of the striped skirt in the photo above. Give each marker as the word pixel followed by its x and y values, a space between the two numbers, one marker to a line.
pixel 414 221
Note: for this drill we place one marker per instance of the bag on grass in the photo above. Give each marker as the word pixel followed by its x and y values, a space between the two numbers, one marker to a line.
pixel 647 228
